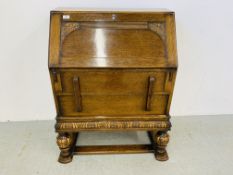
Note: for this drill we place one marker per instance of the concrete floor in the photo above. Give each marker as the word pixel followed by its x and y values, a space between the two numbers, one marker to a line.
pixel 199 145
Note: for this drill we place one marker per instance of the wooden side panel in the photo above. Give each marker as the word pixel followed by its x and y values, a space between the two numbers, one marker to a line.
pixel 113 105
pixel 169 86
pixel 54 39
pixel 171 40
pixel 56 81
pixel 53 78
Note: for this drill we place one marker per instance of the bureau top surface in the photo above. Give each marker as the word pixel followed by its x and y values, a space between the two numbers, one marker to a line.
pixel 112 38
pixel 119 10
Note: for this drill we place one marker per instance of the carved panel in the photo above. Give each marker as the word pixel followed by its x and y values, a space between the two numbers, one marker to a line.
pixel 67 28
pixel 111 125
pixel 159 28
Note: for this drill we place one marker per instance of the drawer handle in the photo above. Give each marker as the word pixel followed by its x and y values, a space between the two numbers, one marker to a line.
pixel 149 93
pixel 77 94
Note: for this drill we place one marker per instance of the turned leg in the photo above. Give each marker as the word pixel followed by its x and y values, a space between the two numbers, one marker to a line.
pixel 65 142
pixel 161 139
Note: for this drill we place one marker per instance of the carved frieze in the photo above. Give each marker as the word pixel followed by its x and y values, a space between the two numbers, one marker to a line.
pixel 111 125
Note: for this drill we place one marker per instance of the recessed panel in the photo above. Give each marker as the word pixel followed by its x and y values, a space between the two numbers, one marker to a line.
pixel 112 45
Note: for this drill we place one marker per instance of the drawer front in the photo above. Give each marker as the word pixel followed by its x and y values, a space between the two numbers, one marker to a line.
pixel 113 105
pixel 112 82
pixel 112 92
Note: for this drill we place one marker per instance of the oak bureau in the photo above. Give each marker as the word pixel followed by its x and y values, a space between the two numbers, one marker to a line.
pixel 112 71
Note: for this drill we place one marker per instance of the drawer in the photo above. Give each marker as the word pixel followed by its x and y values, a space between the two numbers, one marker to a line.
pixel 112 105
pixel 112 82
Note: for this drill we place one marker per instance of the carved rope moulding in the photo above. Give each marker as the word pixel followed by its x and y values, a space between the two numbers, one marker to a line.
pixel 113 125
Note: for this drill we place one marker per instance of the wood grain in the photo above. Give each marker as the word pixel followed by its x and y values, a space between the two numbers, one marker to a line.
pixel 151 81
pixel 77 94
pixel 151 34
pixel 112 82
pixel 110 71
pixel 113 149
pixel 113 105
pixel 54 39
pixel 105 47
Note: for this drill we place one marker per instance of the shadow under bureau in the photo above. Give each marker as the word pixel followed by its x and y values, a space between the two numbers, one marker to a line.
pixel 112 71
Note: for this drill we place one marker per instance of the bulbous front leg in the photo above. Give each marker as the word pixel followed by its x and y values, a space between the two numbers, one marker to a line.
pixel 64 142
pixel 162 139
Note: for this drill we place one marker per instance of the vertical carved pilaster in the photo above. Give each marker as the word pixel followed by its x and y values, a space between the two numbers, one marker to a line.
pixel 162 139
